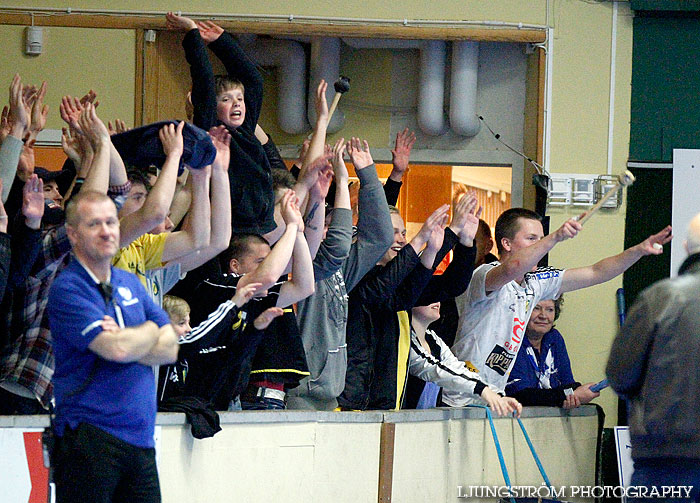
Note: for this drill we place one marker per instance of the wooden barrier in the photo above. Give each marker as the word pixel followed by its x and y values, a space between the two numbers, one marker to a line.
pixel 358 457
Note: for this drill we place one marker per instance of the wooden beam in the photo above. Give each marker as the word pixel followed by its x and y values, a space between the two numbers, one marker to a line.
pixel 299 28
pixel 386 462
pixel 139 84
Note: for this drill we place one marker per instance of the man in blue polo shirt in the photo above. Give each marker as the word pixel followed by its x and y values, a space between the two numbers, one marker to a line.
pixel 107 332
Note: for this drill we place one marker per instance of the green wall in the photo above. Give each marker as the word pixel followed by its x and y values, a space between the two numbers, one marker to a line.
pixel 665 114
pixel 665 82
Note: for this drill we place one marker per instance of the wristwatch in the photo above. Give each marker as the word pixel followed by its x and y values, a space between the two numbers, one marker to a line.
pixel 568 391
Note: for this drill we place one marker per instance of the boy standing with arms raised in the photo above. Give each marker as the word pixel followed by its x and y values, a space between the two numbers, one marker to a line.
pixel 234 101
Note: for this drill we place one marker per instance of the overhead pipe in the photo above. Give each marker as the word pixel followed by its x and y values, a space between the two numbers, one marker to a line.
pixel 290 60
pixel 431 90
pixel 325 64
pixel 288 18
pixel 465 69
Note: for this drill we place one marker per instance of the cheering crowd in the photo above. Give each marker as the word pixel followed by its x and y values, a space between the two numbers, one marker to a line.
pixel 244 285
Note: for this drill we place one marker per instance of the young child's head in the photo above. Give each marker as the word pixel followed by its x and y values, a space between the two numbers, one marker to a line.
pixel 230 105
pixel 179 313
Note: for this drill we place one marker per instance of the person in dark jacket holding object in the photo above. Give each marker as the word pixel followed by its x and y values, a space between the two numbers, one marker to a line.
pixel 542 371
pixel 655 365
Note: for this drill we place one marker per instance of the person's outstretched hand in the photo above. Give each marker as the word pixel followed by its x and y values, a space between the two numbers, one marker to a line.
pixel 179 23
pixel 359 153
pixel 33 201
pixel 402 152
pixel 263 321
pixel 209 31
pixel 171 138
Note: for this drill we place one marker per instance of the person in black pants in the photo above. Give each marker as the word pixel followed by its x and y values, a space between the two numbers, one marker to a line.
pixel 107 332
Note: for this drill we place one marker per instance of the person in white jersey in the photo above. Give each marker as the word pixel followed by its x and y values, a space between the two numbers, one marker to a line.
pixel 495 309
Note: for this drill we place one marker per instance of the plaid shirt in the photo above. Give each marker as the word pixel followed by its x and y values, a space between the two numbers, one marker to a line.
pixel 29 361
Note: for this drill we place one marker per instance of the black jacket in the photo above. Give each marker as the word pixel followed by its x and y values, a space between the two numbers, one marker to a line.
pixel 280 356
pixel 215 358
pixel 252 198
pixel 378 332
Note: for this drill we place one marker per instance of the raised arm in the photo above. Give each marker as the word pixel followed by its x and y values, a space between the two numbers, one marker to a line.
pixel 401 154
pixel 411 288
pixel 302 283
pixel 308 178
pixel 341 175
pixel 96 133
pixel 316 146
pixel 33 202
pixel 220 204
pixel 335 247
pixel 157 204
pixel 79 152
pixel 525 259
pixel 203 95
pixel 460 237
pixel 117 169
pixel 26 238
pixel 399 283
pixel 315 213
pixel 39 113
pixel 196 230
pixel 375 231
pixel 270 269
pixel 30 96
pixel 430 227
pixel 608 268
pixel 182 198
pixel 15 124
pixel 399 159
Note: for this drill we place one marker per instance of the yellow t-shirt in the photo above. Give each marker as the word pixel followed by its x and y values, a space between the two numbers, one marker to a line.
pixel 144 253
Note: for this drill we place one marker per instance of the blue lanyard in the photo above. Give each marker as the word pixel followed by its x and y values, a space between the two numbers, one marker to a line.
pixel 535 365
pixel 533 361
